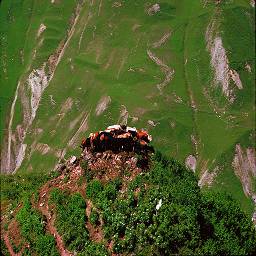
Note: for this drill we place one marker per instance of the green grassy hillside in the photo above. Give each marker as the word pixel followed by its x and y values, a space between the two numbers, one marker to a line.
pixel 185 71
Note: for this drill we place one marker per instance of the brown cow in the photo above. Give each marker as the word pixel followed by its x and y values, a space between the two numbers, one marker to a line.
pixel 85 143
pixel 143 135
pixel 106 140
pixel 118 138
pixel 94 140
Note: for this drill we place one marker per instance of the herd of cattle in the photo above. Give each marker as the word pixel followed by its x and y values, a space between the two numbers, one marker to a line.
pixel 118 138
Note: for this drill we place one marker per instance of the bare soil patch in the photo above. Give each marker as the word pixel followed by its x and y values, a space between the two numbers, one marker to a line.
pixel 124 114
pixel 162 40
pixel 244 164
pixel 220 63
pixel 102 105
pixel 41 29
pixel 95 233
pixel 164 68
pixel 190 163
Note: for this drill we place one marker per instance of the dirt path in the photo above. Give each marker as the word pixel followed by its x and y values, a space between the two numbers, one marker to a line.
pixel 95 233
pixel 68 181
pixel 9 246
pixel 162 40
pixel 43 207
pixel 12 235
pixel 47 211
pixel 60 244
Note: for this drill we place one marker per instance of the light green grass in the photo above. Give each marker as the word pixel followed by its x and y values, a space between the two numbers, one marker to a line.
pixel 114 42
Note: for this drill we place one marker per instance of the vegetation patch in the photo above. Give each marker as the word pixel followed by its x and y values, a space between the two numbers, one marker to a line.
pixel 33 230
pixel 160 211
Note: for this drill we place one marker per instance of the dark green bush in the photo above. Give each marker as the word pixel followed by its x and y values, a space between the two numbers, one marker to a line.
pixel 188 221
pixel 33 230
pixel 71 219
pixel 94 188
pixel 94 218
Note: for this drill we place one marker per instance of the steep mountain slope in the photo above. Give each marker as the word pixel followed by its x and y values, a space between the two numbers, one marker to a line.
pixel 182 69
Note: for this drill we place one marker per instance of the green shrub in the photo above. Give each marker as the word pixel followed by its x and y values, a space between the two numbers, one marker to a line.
pixel 4 250
pixel 188 221
pixel 94 218
pixel 33 230
pixel 94 188
pixel 71 219
pixel 167 215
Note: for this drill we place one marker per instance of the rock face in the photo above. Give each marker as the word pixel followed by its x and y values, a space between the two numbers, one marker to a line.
pixel 153 9
pixel 190 163
pixel 108 165
pixel 244 164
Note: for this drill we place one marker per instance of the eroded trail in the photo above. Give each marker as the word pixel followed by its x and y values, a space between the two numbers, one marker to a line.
pixel 69 180
pixel 169 72
pixel 8 161
pixel 9 246
pixel 95 233
pixel 43 207
pixel 48 211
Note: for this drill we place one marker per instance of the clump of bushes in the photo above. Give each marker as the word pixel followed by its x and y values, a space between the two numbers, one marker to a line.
pixel 188 221
pixel 94 218
pixel 71 218
pixel 71 223
pixel 162 212
pixel 33 230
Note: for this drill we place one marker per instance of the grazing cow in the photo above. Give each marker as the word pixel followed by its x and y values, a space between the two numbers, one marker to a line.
pixel 95 141
pixel 125 141
pixel 85 143
pixel 142 146
pixel 143 135
pixel 114 127
pixel 124 135
pixel 118 138
pixel 106 140
pixel 132 131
